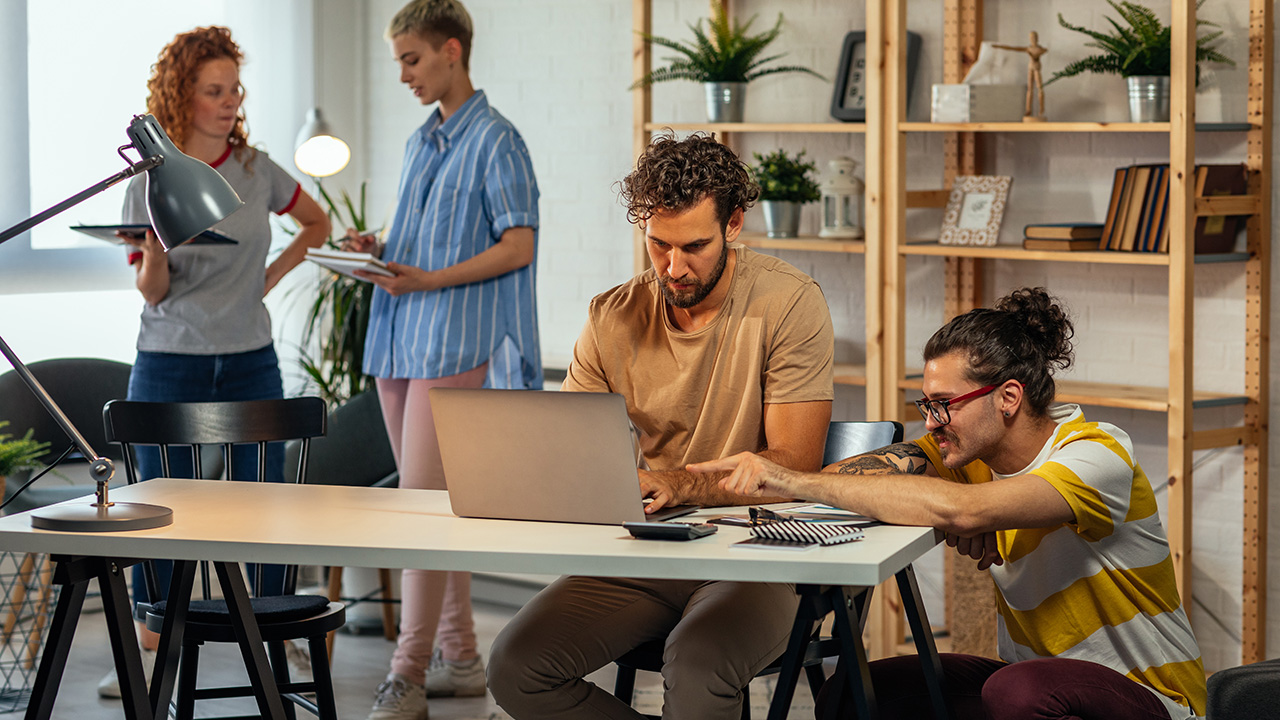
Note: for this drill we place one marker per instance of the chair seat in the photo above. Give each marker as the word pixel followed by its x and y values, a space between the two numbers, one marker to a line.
pixel 275 609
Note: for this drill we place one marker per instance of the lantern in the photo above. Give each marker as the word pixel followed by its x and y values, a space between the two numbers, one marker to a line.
pixel 841 200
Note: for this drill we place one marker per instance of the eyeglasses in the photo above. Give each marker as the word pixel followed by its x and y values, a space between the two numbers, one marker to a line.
pixel 940 410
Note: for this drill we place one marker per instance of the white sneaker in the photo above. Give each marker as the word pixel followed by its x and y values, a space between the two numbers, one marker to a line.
pixel 299 659
pixel 446 678
pixel 398 699
pixel 109 685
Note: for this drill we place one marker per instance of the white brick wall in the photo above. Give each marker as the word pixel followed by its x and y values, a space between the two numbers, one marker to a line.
pixel 559 69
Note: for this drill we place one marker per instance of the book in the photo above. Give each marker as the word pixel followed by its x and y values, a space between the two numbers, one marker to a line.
pixel 1217 233
pixel 345 263
pixel 1064 231
pixel 1159 229
pixel 1059 244
pixel 1136 199
pixel 804 531
pixel 1113 207
pixel 108 233
pixel 1150 208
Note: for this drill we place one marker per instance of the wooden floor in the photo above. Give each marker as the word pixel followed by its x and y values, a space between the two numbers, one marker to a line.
pixel 360 663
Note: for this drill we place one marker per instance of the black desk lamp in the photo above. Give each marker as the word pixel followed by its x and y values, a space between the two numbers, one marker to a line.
pixel 185 197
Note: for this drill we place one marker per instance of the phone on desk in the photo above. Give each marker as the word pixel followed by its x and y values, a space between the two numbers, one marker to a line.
pixel 669 530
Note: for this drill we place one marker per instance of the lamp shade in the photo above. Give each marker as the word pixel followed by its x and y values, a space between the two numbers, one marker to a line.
pixel 185 197
pixel 319 152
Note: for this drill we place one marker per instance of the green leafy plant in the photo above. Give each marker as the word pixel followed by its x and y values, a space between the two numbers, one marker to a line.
pixel 1141 48
pixel 786 178
pixel 22 453
pixel 726 54
pixel 338 316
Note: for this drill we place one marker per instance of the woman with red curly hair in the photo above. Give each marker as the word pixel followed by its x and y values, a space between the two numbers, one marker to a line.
pixel 205 334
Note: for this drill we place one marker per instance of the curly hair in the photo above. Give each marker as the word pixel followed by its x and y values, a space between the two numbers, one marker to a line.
pixel 1025 337
pixel 171 89
pixel 674 175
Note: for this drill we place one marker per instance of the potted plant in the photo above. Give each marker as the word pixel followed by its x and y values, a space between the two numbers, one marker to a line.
pixel 785 183
pixel 724 61
pixel 18 454
pixel 1140 53
pixel 338 316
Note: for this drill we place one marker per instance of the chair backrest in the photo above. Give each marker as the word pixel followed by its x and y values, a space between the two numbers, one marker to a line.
pixel 355 451
pixel 849 438
pixel 193 426
pixel 80 386
pixel 166 425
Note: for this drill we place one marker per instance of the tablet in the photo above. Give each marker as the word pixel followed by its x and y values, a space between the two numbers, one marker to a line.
pixel 108 233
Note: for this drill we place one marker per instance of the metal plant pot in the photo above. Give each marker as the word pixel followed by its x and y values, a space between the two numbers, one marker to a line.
pixel 724 101
pixel 1148 98
pixel 781 218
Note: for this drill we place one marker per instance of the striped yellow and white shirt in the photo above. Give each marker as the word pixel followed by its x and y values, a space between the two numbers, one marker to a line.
pixel 1102 588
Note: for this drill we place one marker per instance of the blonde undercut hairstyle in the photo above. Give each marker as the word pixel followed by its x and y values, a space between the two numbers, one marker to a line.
pixel 437 21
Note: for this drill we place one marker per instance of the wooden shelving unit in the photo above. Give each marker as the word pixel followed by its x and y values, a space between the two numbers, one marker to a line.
pixel 964 265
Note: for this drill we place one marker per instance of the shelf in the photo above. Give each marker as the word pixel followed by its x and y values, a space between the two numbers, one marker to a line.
pixel 1132 397
pixel 1014 252
pixel 751 127
pixel 1064 127
pixel 847 374
pixel 811 243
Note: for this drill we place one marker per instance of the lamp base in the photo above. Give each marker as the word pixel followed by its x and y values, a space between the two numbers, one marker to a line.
pixel 88 517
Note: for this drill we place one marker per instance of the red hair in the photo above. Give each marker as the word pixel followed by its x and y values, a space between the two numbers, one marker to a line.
pixel 173 77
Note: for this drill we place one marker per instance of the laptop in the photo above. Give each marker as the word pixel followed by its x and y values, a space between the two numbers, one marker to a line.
pixel 540 455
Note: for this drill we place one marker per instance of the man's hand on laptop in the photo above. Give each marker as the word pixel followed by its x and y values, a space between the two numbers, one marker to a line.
pixel 659 489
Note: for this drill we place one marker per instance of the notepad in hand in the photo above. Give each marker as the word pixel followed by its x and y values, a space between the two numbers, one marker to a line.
pixel 344 262
pixel 822 533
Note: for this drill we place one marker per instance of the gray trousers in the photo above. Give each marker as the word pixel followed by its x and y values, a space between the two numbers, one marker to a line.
pixel 718 636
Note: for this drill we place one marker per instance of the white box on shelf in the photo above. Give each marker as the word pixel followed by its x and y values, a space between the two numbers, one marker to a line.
pixel 978 103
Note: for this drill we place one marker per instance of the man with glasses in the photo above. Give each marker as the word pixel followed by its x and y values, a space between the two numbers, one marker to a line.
pixel 1091 624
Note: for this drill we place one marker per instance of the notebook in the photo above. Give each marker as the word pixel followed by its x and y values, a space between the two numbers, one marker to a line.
pixel 805 531
pixel 540 455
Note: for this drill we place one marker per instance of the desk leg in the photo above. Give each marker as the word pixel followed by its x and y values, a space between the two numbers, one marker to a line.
pixel 264 685
pixel 124 639
pixel 923 635
pixel 170 649
pixel 57 645
pixel 849 613
pixel 814 604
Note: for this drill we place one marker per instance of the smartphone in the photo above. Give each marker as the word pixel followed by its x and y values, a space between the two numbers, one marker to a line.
pixel 669 530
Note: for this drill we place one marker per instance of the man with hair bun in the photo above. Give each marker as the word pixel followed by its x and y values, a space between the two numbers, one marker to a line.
pixel 1091 624
pixel 717 350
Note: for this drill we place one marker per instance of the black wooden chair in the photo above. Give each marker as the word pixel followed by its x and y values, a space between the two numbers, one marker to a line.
pixel 183 429
pixel 844 439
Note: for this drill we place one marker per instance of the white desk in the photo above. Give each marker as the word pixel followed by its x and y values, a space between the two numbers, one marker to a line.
pixel 388 527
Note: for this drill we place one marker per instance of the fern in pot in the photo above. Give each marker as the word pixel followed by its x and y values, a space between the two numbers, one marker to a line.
pixel 1139 50
pixel 724 58
pixel 786 183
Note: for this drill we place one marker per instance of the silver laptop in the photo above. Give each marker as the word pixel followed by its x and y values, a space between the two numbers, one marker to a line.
pixel 540 455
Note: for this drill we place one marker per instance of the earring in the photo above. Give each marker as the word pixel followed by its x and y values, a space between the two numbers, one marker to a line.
pixel 1006 413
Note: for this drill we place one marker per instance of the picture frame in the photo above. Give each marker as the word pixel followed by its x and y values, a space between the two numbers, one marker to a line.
pixel 975 210
pixel 848 96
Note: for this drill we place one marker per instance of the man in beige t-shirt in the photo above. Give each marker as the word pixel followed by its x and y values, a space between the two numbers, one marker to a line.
pixel 717 350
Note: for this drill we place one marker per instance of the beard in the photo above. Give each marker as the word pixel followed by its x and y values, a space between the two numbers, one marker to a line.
pixel 686 299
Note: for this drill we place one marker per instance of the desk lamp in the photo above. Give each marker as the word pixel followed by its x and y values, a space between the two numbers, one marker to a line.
pixel 185 197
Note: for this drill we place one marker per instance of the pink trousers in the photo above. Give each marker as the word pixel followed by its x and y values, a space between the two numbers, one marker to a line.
pixel 435 606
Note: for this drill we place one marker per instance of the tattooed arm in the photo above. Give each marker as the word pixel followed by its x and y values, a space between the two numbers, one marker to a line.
pixel 900 459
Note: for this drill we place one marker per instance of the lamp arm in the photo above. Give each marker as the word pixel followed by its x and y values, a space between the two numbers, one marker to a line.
pixel 133 169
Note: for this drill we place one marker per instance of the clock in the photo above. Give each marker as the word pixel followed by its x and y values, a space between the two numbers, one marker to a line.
pixel 849 99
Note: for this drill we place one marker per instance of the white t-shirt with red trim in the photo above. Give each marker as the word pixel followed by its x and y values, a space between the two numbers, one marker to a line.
pixel 214 305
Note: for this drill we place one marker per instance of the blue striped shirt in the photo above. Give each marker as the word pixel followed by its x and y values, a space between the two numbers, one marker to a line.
pixel 465 181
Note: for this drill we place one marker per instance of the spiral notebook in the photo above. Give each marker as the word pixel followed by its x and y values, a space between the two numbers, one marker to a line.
pixel 801 531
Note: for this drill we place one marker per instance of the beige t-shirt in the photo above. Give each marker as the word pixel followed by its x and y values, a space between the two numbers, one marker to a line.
pixel 700 395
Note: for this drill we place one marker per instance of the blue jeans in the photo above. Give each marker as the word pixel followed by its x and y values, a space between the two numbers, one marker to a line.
pixel 170 377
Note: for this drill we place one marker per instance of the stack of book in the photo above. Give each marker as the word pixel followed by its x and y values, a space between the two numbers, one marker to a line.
pixel 1062 236
pixel 1138 214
